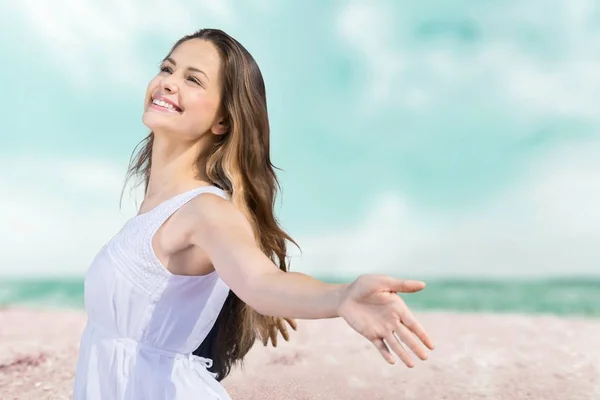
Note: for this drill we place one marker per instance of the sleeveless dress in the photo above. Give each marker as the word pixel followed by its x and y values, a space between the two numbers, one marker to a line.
pixel 144 322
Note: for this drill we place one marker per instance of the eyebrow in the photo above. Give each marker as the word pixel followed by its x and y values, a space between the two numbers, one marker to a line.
pixel 194 69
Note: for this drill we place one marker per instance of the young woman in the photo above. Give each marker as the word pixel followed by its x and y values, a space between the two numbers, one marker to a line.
pixel 206 253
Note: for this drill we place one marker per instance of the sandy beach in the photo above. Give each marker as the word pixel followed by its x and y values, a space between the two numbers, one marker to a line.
pixel 478 356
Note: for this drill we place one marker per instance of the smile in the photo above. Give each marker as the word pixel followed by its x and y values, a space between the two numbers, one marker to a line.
pixel 162 105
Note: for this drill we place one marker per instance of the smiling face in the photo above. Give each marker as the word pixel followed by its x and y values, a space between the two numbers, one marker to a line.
pixel 183 99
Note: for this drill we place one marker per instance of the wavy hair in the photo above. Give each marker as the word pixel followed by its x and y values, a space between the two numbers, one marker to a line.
pixel 239 163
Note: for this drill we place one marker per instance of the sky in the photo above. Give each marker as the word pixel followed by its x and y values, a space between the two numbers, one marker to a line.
pixel 457 139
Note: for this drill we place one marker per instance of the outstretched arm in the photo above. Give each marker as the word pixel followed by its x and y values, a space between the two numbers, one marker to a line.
pixel 223 232
pixel 370 304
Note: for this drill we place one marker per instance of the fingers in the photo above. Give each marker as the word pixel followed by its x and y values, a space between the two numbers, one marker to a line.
pixel 284 332
pixel 271 331
pixel 396 339
pixel 408 319
pixel 385 352
pixel 292 322
pixel 396 346
pixel 405 336
pixel 264 337
pixel 273 335
pixel 410 322
pixel 406 286
pixel 408 331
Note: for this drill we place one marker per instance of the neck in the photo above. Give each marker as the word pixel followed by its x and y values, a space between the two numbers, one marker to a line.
pixel 172 170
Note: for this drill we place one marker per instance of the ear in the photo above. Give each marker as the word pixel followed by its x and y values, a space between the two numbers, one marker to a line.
pixel 220 128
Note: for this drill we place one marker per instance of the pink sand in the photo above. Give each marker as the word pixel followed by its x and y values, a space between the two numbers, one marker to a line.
pixel 478 356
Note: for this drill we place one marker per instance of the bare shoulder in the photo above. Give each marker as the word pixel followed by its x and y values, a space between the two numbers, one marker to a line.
pixel 211 214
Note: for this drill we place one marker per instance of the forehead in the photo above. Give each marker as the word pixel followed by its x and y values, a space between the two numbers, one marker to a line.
pixel 198 53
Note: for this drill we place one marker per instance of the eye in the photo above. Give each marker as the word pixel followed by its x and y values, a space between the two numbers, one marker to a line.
pixel 164 68
pixel 195 80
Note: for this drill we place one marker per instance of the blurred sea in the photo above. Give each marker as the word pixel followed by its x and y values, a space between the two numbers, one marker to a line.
pixel 559 296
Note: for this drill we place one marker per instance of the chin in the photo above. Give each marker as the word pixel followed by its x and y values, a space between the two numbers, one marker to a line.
pixel 156 121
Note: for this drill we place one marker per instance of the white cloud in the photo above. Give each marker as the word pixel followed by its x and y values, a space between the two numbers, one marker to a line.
pixel 526 61
pixel 98 42
pixel 547 224
pixel 367 28
pixel 57 213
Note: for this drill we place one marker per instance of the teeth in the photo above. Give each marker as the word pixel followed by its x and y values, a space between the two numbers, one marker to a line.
pixel 164 104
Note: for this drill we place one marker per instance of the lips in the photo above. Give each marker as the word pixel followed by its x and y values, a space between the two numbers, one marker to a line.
pixel 164 102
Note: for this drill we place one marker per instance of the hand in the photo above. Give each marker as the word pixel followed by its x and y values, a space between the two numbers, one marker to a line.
pixel 271 326
pixel 371 306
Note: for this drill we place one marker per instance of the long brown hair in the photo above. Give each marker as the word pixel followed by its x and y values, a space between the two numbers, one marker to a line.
pixel 239 163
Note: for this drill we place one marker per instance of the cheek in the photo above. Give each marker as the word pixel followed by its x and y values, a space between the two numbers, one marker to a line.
pixel 205 107
pixel 151 88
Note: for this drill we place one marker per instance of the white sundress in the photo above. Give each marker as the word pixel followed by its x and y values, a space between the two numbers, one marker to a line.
pixel 144 322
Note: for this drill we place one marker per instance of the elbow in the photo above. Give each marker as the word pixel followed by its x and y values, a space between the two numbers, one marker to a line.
pixel 257 293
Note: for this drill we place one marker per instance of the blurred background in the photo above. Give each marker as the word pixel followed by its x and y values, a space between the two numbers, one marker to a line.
pixel 453 141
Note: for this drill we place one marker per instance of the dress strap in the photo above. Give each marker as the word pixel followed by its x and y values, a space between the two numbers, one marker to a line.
pixel 169 207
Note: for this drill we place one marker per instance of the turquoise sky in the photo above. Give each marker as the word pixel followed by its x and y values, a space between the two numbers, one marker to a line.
pixel 457 138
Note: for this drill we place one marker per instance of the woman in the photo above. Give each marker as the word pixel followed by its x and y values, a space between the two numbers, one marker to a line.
pixel 205 251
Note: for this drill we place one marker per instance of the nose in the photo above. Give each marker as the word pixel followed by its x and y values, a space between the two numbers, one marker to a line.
pixel 168 84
